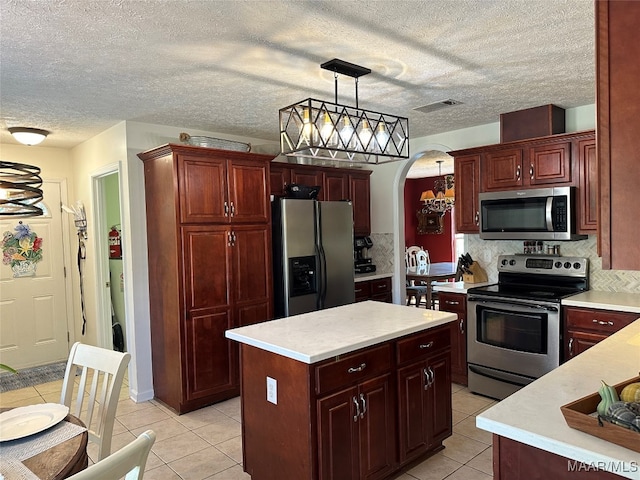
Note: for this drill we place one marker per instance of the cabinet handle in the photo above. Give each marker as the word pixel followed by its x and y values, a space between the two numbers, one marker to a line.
pixel 229 238
pixel 226 209
pixel 433 376
pixel 531 171
pixel 358 290
pixel 600 322
pixel 461 325
pixel 518 172
pixel 357 369
pixel 233 209
pixel 364 406
pixel 571 347
pixel 477 217
pixel 426 379
pixel 426 345
pixel 451 302
pixel 355 417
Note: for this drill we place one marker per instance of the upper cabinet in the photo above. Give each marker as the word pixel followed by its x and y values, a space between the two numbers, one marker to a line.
pixel 618 120
pixel 557 160
pixel 337 184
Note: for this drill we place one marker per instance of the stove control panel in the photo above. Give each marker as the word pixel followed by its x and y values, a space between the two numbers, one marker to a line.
pixel 544 264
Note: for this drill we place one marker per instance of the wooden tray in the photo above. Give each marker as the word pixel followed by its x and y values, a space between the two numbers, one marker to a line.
pixel 578 415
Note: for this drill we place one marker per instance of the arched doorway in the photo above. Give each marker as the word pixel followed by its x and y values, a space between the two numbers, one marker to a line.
pixel 425 164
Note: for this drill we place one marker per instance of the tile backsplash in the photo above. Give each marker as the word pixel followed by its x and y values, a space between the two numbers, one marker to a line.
pixel 486 253
pixel 382 252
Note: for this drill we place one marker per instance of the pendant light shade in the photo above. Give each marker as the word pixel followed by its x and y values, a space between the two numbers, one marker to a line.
pixel 20 190
pixel 28 136
pixel 441 199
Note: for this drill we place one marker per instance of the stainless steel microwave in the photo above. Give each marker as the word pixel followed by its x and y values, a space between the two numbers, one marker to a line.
pixel 536 214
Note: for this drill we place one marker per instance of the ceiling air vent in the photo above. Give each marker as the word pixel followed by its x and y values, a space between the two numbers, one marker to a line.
pixel 432 107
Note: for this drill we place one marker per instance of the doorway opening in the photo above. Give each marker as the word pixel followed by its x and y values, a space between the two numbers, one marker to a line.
pixel 112 328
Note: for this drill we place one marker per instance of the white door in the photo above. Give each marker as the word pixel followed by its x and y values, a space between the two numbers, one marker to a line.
pixel 33 310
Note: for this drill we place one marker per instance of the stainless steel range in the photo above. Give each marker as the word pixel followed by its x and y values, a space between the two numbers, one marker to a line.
pixel 515 326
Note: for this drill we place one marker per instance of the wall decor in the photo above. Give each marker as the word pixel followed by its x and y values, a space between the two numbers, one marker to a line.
pixel 21 250
pixel 429 222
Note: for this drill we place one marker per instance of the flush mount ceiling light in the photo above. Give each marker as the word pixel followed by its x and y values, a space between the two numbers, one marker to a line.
pixel 442 198
pixel 28 136
pixel 330 131
pixel 19 190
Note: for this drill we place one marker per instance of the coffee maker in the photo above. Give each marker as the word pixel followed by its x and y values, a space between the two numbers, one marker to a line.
pixel 362 264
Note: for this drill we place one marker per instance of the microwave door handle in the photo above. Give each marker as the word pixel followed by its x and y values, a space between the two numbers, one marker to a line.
pixel 549 216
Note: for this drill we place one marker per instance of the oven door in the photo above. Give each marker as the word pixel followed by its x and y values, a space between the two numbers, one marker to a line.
pixel 517 336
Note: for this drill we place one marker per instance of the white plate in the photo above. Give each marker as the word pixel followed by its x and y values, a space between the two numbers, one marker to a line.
pixel 24 421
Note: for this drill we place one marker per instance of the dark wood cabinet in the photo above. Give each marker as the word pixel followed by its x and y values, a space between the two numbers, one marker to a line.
pixel 356 431
pixel 378 289
pixel 457 303
pixel 618 120
pixel 588 187
pixel 209 263
pixel 340 417
pixel 527 165
pixel 337 184
pixel 584 327
pixel 424 392
pixel 467 177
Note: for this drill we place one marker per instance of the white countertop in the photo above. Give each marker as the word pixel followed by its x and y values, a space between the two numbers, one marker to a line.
pixel 532 415
pixel 456 287
pixel 619 301
pixel 316 336
pixel 361 277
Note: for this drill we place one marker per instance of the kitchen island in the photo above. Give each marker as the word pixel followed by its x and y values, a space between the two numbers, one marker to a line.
pixel 530 432
pixel 356 391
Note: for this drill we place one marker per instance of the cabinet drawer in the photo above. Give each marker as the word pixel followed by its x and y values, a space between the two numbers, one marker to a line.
pixel 453 302
pixel 352 369
pixel 599 320
pixel 382 285
pixel 363 291
pixel 424 344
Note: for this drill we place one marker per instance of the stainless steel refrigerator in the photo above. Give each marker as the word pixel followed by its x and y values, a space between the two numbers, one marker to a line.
pixel 312 255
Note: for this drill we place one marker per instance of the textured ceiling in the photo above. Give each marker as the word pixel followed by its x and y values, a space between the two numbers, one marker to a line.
pixel 78 67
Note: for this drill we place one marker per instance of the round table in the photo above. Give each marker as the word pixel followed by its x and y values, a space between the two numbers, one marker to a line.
pixel 63 460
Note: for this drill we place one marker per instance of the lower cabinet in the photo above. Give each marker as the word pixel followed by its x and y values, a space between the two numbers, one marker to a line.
pixel 363 415
pixel 379 290
pixel 356 431
pixel 424 393
pixel 457 303
pixel 584 327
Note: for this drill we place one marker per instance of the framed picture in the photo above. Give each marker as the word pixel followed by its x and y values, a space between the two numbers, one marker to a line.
pixel 429 223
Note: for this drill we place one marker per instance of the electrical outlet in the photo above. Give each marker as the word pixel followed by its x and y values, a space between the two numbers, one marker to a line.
pixel 272 390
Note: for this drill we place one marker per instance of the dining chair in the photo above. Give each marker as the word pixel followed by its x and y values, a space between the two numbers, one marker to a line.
pixel 101 374
pixel 127 463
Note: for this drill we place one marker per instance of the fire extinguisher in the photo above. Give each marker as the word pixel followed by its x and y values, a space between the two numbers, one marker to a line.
pixel 115 250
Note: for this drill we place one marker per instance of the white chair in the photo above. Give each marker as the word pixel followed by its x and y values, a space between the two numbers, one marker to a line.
pixel 100 381
pixel 422 259
pixel 127 463
pixel 410 256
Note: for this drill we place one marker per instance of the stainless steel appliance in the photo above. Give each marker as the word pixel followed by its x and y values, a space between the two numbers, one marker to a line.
pixel 536 214
pixel 515 326
pixel 362 263
pixel 312 255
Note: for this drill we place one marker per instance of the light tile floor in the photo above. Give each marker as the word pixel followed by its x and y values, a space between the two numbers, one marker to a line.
pixel 206 443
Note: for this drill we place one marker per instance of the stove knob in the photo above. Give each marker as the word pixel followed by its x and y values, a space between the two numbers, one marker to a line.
pixel 558 264
pixel 577 265
pixel 504 261
pixel 512 262
pixel 567 264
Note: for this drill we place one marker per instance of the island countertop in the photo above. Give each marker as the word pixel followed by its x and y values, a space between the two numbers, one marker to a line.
pixel 532 415
pixel 316 336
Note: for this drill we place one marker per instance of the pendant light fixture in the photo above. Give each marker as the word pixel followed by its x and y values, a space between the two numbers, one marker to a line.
pixel 330 131
pixel 28 136
pixel 442 198
pixel 20 190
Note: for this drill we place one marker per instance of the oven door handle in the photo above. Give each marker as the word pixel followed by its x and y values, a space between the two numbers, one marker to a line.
pixel 548 308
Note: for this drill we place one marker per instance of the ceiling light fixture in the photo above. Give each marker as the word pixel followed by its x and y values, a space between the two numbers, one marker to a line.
pixel 28 136
pixel 330 131
pixel 20 190
pixel 443 198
